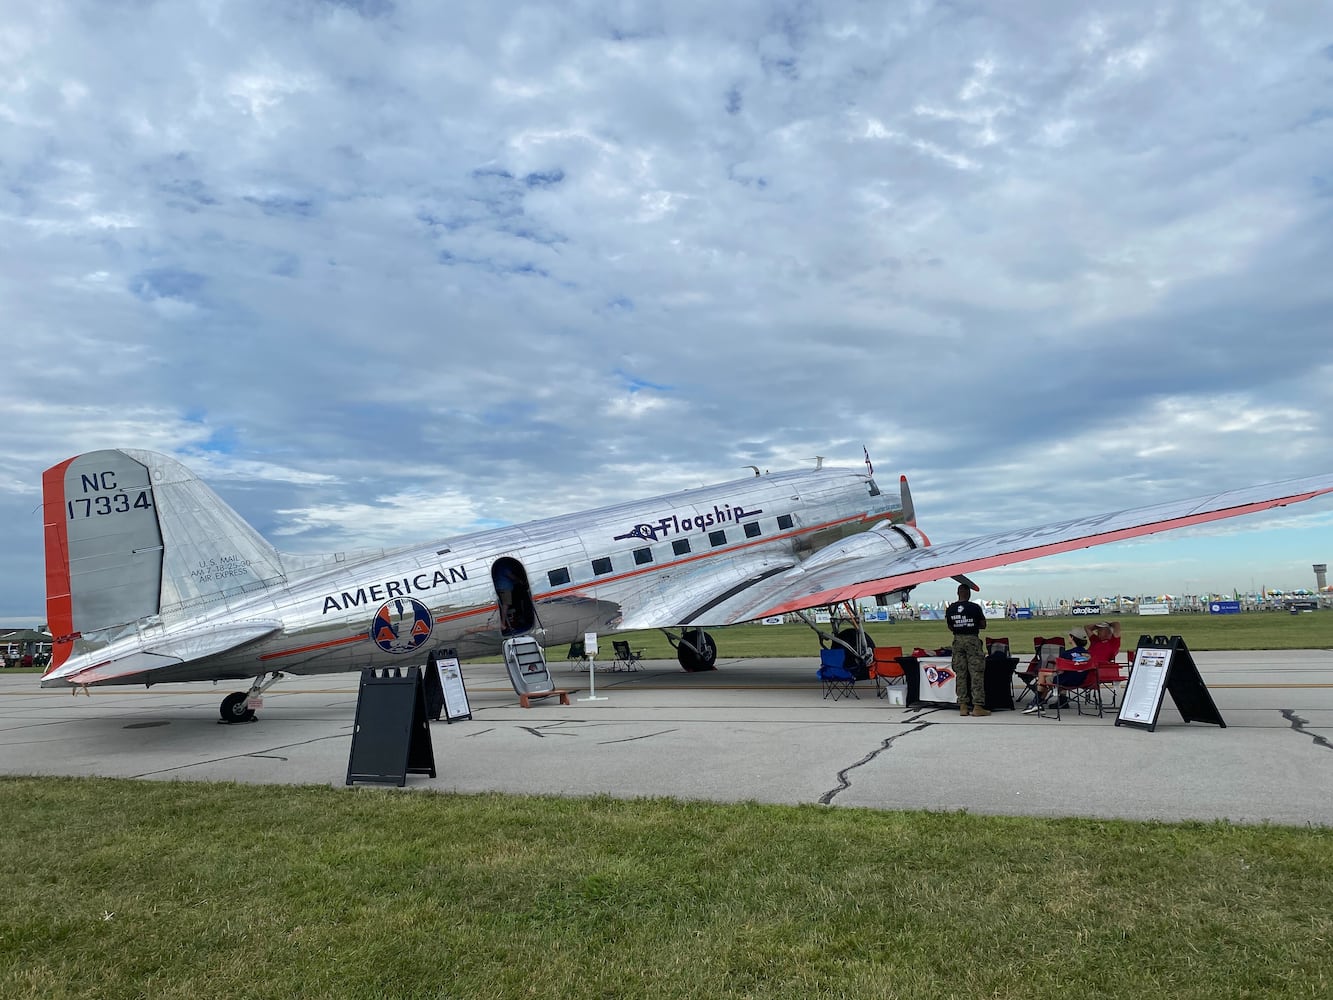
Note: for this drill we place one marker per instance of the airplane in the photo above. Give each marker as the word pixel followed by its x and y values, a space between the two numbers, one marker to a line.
pixel 151 578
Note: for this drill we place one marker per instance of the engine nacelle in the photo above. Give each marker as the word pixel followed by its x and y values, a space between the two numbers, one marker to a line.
pixel 880 542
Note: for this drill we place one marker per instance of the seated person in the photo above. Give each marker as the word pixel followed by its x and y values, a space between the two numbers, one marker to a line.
pixel 1104 642
pixel 1079 656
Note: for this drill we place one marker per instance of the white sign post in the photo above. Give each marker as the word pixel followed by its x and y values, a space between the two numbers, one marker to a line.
pixel 590 649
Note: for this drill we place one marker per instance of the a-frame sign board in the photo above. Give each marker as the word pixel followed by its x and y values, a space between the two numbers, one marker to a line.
pixel 444 671
pixel 1162 665
pixel 391 736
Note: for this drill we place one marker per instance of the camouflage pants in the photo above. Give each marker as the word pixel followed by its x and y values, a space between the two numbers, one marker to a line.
pixel 969 667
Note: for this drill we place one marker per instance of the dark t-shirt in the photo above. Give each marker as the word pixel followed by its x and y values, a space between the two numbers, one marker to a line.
pixel 965 618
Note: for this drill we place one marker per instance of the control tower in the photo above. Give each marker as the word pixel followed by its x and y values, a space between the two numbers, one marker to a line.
pixel 1320 577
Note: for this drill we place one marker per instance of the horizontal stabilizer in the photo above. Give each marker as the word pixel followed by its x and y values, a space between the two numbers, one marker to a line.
pixel 144 654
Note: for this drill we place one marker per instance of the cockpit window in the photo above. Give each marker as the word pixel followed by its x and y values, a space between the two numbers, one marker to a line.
pixel 874 490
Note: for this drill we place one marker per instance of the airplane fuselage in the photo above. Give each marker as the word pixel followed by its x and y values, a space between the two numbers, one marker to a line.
pixel 676 558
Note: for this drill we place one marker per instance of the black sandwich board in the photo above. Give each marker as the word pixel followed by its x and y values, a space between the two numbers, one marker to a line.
pixel 443 667
pixel 1161 665
pixel 391 736
pixel 434 690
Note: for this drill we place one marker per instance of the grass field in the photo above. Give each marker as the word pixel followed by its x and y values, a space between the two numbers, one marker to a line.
pixel 1266 630
pixel 1260 630
pixel 163 890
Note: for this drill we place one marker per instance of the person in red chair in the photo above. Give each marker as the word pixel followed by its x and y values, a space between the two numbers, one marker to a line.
pixel 1104 642
pixel 1077 656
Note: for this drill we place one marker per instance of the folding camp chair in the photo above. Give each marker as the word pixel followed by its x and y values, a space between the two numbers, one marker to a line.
pixel 1109 678
pixel 1077 684
pixel 576 655
pixel 626 658
pixel 885 669
pixel 839 682
pixel 1041 656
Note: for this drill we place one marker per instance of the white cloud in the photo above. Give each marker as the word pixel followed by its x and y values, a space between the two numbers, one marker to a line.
pixel 438 266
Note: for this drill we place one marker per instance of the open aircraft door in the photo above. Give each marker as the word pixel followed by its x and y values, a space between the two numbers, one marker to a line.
pixel 513 596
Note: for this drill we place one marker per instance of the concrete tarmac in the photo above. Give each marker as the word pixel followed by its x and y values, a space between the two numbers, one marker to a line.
pixel 754 730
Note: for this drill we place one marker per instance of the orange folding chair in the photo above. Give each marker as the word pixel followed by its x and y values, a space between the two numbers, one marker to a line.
pixel 885 669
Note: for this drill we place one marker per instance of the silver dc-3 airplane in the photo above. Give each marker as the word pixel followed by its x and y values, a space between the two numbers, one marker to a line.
pixel 151 578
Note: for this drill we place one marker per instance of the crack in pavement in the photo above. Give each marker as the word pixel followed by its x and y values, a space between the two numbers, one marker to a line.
pixel 1298 725
pixel 844 783
pixel 631 739
pixel 268 754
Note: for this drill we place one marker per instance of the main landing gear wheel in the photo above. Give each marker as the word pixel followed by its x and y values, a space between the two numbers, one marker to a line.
pixel 703 655
pixel 865 651
pixel 234 708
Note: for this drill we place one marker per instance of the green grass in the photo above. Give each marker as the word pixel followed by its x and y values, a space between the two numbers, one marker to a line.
pixel 144 889
pixel 1258 630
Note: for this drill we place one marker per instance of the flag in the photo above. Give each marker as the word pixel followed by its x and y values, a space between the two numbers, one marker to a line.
pixel 870 469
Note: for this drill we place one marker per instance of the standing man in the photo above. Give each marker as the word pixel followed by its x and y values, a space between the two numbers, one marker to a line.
pixel 966 620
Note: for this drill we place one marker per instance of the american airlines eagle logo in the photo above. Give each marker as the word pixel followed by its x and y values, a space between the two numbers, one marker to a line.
pixel 401 625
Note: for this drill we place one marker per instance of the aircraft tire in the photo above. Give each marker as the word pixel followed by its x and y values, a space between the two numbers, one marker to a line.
pixel 704 659
pixel 233 708
pixel 866 650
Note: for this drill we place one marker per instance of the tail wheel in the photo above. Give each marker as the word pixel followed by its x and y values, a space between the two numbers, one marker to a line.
pixel 234 708
pixel 704 654
pixel 864 647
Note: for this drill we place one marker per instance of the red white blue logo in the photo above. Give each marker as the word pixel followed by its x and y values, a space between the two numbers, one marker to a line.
pixel 401 625
pixel 938 676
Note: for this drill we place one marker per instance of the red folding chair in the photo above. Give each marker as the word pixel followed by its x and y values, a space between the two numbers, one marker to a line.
pixel 1028 677
pixel 885 668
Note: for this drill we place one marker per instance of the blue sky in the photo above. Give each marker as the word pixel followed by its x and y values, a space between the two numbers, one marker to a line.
pixel 387 271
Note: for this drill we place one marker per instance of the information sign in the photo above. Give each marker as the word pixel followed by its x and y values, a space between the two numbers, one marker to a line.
pixel 1165 665
pixel 450 673
pixel 1145 687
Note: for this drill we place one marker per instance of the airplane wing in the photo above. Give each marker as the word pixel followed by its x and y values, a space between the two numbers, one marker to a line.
pixel 690 596
pixel 874 562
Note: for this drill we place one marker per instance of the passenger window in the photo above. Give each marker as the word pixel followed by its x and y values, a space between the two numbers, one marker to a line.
pixel 680 546
pixel 558 577
pixel 784 522
pixel 752 530
pixel 600 567
pixel 643 556
pixel 716 538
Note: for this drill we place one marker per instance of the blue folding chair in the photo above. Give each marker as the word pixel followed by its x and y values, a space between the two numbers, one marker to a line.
pixel 839 682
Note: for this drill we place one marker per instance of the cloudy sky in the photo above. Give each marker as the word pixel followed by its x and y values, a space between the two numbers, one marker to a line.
pixel 388 270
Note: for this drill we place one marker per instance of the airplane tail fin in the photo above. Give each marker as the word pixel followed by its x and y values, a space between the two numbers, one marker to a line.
pixel 909 511
pixel 134 539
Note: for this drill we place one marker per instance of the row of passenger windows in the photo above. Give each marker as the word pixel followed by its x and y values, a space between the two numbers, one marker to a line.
pixel 680 546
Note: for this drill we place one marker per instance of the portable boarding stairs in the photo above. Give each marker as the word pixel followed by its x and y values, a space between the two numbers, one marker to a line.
pixel 526 664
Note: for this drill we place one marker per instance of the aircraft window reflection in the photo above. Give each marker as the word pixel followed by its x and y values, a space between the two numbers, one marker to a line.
pixel 680 546
pixel 642 556
pixel 600 567
pixel 752 530
pixel 558 576
pixel 784 521
pixel 716 538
